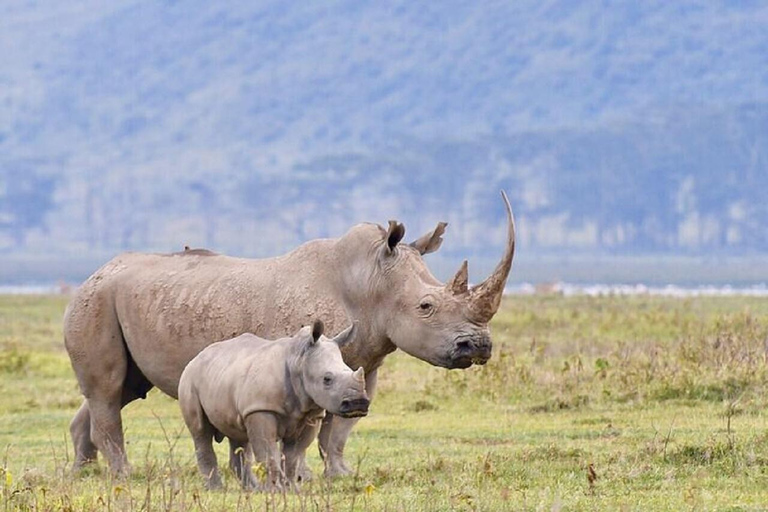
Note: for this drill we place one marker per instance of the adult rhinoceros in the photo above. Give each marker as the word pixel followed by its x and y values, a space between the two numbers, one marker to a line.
pixel 141 318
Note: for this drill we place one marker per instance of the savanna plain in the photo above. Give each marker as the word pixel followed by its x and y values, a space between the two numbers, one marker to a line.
pixel 589 403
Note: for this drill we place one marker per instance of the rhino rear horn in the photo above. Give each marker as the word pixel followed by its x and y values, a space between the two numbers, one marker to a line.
pixel 317 330
pixel 431 241
pixel 346 336
pixel 458 283
pixel 485 298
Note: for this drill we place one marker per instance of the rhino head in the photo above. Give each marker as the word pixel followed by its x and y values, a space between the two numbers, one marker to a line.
pixel 445 324
pixel 330 383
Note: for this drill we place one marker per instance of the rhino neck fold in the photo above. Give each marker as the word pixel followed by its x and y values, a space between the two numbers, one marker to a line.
pixel 368 349
pixel 353 279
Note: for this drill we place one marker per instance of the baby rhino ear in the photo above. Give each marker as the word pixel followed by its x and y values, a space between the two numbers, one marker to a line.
pixel 317 331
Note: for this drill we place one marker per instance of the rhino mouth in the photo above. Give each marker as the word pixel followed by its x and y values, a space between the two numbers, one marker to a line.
pixel 461 363
pixel 354 414
pixel 469 350
pixel 354 408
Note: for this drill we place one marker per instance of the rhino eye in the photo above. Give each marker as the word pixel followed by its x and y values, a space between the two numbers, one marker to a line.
pixel 426 306
pixel 327 380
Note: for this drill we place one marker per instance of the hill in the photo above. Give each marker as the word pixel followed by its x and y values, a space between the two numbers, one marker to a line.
pixel 616 127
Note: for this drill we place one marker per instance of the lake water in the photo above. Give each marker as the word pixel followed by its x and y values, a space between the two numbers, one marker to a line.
pixel 563 288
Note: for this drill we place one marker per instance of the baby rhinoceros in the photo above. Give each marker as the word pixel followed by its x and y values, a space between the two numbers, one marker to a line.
pixel 265 393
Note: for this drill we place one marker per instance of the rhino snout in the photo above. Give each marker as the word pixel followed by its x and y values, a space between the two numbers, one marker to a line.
pixel 469 350
pixel 354 408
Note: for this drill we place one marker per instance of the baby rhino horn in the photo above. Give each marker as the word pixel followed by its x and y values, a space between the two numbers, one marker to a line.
pixel 359 374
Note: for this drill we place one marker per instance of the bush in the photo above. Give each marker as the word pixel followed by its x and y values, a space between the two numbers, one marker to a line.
pixel 13 360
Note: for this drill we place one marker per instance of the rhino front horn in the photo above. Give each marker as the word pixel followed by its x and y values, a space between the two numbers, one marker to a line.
pixel 485 298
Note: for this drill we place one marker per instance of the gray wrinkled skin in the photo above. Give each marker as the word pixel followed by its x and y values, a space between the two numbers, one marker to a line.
pixel 141 318
pixel 260 394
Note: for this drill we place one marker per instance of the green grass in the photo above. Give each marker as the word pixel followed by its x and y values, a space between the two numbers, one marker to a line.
pixel 664 398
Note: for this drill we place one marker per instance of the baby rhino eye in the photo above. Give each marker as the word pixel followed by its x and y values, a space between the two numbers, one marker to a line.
pixel 328 379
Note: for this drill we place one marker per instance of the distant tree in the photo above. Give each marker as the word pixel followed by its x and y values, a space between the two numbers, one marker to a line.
pixel 26 196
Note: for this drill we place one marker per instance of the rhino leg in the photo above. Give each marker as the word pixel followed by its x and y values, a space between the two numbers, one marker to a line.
pixel 135 386
pixel 107 430
pixel 206 457
pixel 240 462
pixel 295 452
pixel 99 359
pixel 202 432
pixel 108 378
pixel 262 435
pixel 80 430
pixel 336 430
pixel 334 433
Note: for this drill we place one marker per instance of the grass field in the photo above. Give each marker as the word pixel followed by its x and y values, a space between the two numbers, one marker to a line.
pixel 613 403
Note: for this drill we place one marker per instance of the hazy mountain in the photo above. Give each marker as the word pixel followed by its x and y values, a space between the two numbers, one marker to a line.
pixel 627 127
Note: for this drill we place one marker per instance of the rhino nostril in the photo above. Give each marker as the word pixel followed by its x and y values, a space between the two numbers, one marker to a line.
pixel 463 345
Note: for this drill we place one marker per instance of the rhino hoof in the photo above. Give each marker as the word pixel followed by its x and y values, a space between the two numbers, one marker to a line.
pixel 337 470
pixel 214 484
pixel 271 487
pixel 85 468
pixel 249 483
pixel 304 475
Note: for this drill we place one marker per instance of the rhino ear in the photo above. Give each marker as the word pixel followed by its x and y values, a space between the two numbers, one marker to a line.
pixel 317 331
pixel 345 336
pixel 395 233
pixel 431 241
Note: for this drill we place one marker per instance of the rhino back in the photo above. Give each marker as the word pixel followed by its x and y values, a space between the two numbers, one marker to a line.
pixel 172 306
